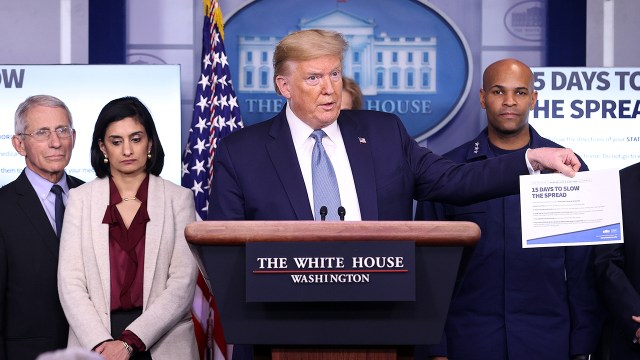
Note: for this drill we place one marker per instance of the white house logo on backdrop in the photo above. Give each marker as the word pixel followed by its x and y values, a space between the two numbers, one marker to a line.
pixel 391 55
pixel 525 20
pixel 405 55
pixel 144 59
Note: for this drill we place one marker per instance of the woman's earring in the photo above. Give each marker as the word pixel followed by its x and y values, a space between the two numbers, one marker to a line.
pixel 106 160
pixel 149 155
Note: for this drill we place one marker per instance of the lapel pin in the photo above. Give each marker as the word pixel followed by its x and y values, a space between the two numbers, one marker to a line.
pixel 362 140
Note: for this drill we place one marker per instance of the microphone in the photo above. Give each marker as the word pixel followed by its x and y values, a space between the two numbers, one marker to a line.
pixel 341 212
pixel 323 213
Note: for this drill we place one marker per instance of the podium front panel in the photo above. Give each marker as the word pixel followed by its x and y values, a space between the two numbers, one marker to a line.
pixel 333 323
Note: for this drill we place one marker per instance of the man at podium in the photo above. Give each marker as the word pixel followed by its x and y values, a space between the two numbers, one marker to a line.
pixel 312 158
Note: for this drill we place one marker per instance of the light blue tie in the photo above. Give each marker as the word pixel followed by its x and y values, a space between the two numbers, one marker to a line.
pixel 325 184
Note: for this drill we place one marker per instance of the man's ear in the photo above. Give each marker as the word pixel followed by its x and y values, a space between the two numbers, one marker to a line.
pixel 283 86
pixel 482 99
pixel 534 98
pixel 18 144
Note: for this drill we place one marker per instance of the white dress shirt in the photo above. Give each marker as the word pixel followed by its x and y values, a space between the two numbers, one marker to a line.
pixel 334 146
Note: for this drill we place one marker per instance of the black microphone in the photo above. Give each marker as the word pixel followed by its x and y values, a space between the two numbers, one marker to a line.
pixel 323 213
pixel 341 212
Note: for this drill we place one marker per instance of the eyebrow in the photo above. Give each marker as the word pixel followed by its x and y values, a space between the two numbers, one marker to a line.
pixel 130 135
pixel 48 128
pixel 502 87
pixel 318 72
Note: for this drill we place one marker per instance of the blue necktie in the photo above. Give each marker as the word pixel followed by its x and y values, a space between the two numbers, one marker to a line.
pixel 325 184
pixel 59 213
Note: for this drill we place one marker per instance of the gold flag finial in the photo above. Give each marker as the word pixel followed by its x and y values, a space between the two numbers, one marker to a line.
pixel 207 6
pixel 217 17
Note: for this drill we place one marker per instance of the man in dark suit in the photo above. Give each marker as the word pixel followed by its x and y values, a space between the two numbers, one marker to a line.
pixel 618 274
pixel 264 172
pixel 31 318
pixel 524 303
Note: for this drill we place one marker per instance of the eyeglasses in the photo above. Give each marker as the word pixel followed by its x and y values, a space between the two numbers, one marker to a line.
pixel 44 134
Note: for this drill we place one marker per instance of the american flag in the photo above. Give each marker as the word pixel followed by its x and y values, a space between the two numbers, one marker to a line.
pixel 215 115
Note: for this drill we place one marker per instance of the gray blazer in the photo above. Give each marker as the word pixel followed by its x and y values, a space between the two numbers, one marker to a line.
pixel 165 325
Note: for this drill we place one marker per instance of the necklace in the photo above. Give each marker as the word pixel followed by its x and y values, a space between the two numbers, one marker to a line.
pixel 131 198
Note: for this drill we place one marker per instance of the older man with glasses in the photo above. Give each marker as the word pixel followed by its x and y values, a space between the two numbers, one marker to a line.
pixel 32 207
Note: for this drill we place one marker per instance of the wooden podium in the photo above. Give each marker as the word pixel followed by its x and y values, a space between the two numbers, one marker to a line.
pixel 333 330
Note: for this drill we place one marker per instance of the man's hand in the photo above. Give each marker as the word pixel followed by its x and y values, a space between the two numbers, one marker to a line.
pixel 560 160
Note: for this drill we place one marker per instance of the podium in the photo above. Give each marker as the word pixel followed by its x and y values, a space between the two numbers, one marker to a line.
pixel 360 330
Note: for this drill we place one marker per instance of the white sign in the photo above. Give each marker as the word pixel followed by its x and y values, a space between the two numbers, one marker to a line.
pixel 86 89
pixel 557 210
pixel 594 111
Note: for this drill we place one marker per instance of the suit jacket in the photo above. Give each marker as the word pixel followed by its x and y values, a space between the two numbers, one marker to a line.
pixel 165 325
pixel 31 319
pixel 527 303
pixel 618 271
pixel 257 175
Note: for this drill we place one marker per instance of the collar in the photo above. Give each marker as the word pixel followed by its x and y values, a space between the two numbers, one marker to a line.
pixel 43 186
pixel 479 147
pixel 300 131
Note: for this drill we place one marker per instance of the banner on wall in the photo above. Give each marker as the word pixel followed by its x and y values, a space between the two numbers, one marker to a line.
pixel 594 111
pixel 85 89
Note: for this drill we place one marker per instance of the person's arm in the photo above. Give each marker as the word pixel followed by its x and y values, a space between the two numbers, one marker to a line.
pixel 84 320
pixel 165 311
pixel 439 179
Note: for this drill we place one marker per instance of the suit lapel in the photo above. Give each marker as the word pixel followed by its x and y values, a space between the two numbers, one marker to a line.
pixel 156 203
pixel 361 161
pixel 73 182
pixel 35 214
pixel 100 234
pixel 283 154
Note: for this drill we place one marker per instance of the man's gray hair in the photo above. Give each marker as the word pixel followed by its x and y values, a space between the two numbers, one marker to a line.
pixel 37 100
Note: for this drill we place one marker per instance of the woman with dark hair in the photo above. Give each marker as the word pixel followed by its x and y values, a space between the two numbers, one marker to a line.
pixel 126 275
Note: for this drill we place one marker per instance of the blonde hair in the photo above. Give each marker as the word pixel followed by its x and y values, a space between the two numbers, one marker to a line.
pixel 350 86
pixel 306 45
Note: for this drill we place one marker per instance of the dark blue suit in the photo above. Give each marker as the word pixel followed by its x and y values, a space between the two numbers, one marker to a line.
pixel 257 175
pixel 31 317
pixel 510 302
